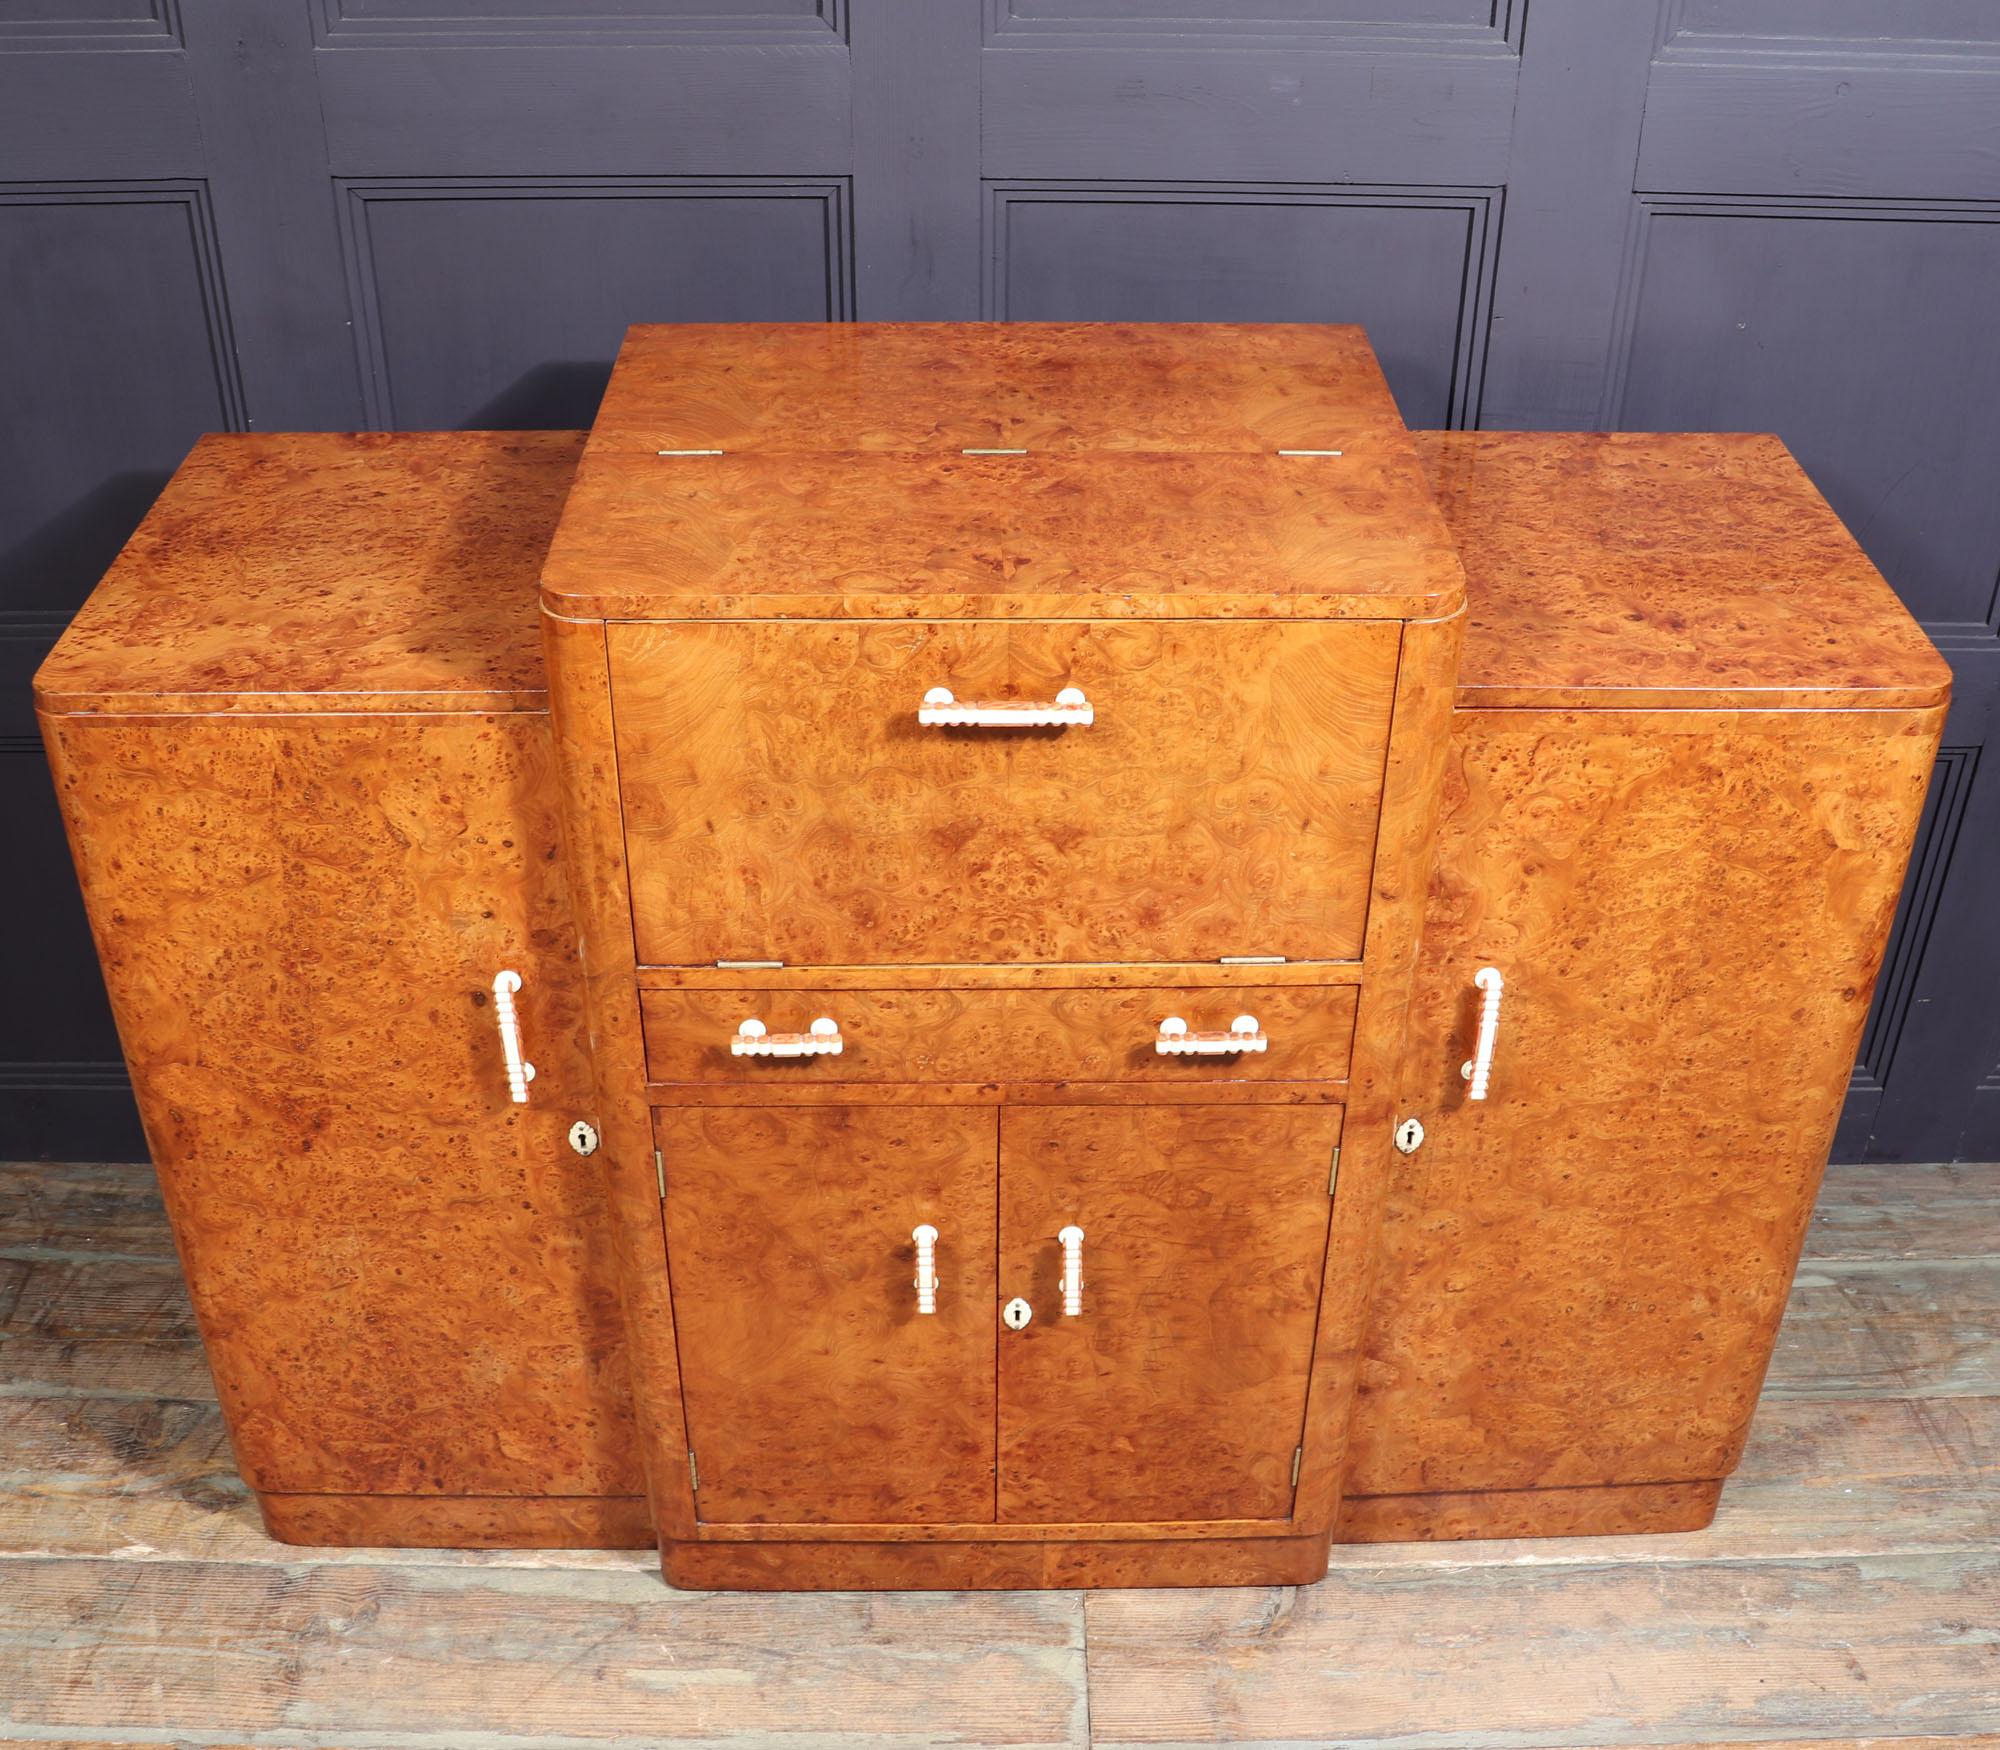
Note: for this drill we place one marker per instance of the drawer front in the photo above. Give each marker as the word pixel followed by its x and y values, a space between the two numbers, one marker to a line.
pixel 784 802
pixel 1000 1035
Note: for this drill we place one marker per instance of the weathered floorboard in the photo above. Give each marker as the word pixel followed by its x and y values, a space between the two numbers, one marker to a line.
pixel 1901 1328
pixel 1618 1654
pixel 410 1652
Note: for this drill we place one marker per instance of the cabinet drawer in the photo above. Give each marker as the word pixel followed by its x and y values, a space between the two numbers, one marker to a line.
pixel 1092 1035
pixel 783 801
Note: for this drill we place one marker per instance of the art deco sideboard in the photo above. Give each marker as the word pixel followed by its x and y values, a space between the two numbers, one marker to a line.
pixel 1077 1037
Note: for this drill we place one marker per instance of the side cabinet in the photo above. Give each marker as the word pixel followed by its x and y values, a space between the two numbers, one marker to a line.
pixel 307 850
pixel 1681 857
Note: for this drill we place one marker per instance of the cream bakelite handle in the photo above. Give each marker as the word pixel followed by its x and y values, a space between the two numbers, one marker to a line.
pixel 1479 1067
pixel 1174 1039
pixel 1071 1241
pixel 520 1072
pixel 754 1039
pixel 941 711
pixel 926 1237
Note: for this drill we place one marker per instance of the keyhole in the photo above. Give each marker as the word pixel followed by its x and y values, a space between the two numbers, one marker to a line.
pixel 1016 1313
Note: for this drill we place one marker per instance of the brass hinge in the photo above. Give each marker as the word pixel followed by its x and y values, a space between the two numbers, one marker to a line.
pixel 687 452
pixel 694 1475
pixel 748 965
pixel 1311 452
pixel 992 452
pixel 660 1171
pixel 1250 960
pixel 1332 1173
pixel 1298 1459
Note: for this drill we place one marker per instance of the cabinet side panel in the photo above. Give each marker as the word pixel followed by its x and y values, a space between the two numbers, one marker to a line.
pixel 1582 1276
pixel 401 1276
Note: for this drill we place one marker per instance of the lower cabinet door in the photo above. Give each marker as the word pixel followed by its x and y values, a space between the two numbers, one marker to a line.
pixel 816 1390
pixel 1176 1389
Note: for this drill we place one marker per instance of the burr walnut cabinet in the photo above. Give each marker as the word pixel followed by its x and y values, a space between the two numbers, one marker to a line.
pixel 1128 968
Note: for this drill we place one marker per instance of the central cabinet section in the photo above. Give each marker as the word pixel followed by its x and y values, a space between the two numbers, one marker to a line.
pixel 1155 1368
pixel 1002 852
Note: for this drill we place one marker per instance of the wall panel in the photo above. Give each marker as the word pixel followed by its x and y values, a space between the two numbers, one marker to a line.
pixel 1861 335
pixel 502 303
pixel 1412 266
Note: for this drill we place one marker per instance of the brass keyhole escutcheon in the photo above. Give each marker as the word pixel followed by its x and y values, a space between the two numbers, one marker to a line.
pixel 1016 1313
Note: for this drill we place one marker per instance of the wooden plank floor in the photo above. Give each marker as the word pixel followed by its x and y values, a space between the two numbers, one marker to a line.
pixel 1848 1594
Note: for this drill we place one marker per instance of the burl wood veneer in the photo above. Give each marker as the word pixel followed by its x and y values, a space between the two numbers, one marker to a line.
pixel 315 789
pixel 776 552
pixel 301 743
pixel 1694 734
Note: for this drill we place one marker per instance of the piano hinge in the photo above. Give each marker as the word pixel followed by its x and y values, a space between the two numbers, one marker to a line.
pixel 992 452
pixel 748 965
pixel 694 1475
pixel 1332 1172
pixel 660 1171
pixel 687 452
pixel 1298 1461
pixel 1311 452
pixel 1250 960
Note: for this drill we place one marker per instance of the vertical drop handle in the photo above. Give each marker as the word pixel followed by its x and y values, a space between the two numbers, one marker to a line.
pixel 520 1072
pixel 1477 1068
pixel 1071 1241
pixel 926 1237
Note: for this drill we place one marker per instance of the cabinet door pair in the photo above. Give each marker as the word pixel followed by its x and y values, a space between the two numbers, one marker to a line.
pixel 817 1392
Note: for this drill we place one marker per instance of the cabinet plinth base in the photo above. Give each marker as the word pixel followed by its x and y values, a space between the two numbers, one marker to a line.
pixel 923 1567
pixel 1588 1512
pixel 460 1521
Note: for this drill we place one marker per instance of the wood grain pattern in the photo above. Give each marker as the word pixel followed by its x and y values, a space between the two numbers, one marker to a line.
pixel 1180 1390
pixel 327 571
pixel 954 1035
pixel 1412 789
pixel 594 848
pixel 459 1522
pixel 399 1275
pixel 814 1389
pixel 1670 569
pixel 782 803
pixel 1582 1278
pixel 1098 536
pixel 989 1567
pixel 942 387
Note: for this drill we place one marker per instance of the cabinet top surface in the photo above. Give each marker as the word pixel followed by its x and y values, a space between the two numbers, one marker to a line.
pixel 1665 570
pixel 999 470
pixel 327 571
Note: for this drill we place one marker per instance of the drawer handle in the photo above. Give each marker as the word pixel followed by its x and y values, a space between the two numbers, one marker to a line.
pixel 1176 1041
pixel 753 1039
pixel 520 1072
pixel 1479 1066
pixel 1071 1241
pixel 926 1237
pixel 941 711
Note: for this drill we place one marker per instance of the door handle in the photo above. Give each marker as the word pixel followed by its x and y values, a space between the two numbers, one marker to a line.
pixel 1479 1066
pixel 754 1039
pixel 1071 1241
pixel 941 711
pixel 926 1237
pixel 1174 1039
pixel 520 1072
